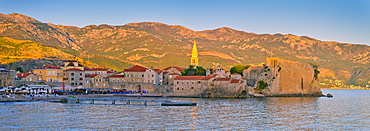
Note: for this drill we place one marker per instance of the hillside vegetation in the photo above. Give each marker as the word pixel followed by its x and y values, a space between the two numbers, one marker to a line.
pixel 159 45
pixel 17 53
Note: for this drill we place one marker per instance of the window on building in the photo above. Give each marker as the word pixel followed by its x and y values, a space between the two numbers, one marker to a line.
pixel 80 74
pixel 48 72
pixel 81 79
pixel 81 84
pixel 192 88
pixel 152 75
pixel 177 82
pixel 72 74
pixel 182 89
pixel 72 84
pixel 177 88
pixel 192 82
pixel 72 79
pixel 198 82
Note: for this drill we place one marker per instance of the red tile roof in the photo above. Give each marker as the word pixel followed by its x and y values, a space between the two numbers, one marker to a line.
pixel 174 74
pixel 207 78
pixel 91 75
pixel 20 75
pixel 176 67
pixel 189 77
pixel 236 74
pixel 234 81
pixel 223 79
pixel 213 75
pixel 73 69
pixel 97 69
pixel 136 68
pixel 48 67
pixel 116 76
pixel 157 70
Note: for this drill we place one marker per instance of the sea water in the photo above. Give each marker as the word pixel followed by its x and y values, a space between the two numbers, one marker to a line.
pixel 347 110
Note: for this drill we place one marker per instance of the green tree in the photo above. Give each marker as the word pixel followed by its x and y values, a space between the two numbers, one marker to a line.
pixel 315 69
pixel 19 69
pixel 191 71
pixel 239 69
pixel 262 85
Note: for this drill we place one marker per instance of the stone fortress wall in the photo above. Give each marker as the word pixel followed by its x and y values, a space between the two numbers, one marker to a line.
pixel 284 78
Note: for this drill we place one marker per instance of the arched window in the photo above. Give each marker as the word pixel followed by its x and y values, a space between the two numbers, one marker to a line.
pixel 72 74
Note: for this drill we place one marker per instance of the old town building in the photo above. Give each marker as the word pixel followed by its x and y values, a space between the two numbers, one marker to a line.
pixel 49 73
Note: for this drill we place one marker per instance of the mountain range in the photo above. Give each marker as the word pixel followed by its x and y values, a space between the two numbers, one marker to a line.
pixel 160 45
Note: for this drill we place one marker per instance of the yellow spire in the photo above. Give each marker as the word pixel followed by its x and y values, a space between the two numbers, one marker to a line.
pixel 194 55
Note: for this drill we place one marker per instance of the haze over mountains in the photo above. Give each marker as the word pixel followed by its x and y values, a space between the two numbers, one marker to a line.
pixel 159 45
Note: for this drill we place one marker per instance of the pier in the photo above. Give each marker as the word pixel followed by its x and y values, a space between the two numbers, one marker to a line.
pixel 121 101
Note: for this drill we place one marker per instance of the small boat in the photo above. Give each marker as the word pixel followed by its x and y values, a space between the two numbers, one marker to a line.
pixel 178 104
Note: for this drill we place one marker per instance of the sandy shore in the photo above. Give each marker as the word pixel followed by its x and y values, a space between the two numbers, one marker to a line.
pixel 59 97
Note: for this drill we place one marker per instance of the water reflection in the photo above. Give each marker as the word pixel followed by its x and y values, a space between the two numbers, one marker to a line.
pixel 345 111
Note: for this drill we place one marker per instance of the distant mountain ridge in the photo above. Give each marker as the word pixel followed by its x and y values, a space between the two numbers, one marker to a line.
pixel 160 45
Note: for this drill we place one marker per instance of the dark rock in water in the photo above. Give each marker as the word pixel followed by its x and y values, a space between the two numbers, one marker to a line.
pixel 64 101
pixel 329 95
pixel 178 104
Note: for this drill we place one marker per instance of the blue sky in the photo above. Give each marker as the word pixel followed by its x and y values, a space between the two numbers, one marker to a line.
pixel 346 21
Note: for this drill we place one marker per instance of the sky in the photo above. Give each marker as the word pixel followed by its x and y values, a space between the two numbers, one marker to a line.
pixel 346 21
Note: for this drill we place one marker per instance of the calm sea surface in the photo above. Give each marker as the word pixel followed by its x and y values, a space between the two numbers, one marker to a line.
pixel 347 110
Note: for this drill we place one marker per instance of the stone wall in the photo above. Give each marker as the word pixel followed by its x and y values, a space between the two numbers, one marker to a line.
pixel 18 83
pixel 222 91
pixel 6 77
pixel 151 88
pixel 284 78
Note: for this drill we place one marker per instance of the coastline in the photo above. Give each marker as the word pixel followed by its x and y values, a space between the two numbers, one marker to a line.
pixel 60 97
pixel 362 88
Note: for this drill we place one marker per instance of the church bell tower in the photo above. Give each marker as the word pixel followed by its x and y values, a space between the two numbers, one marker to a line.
pixel 194 55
